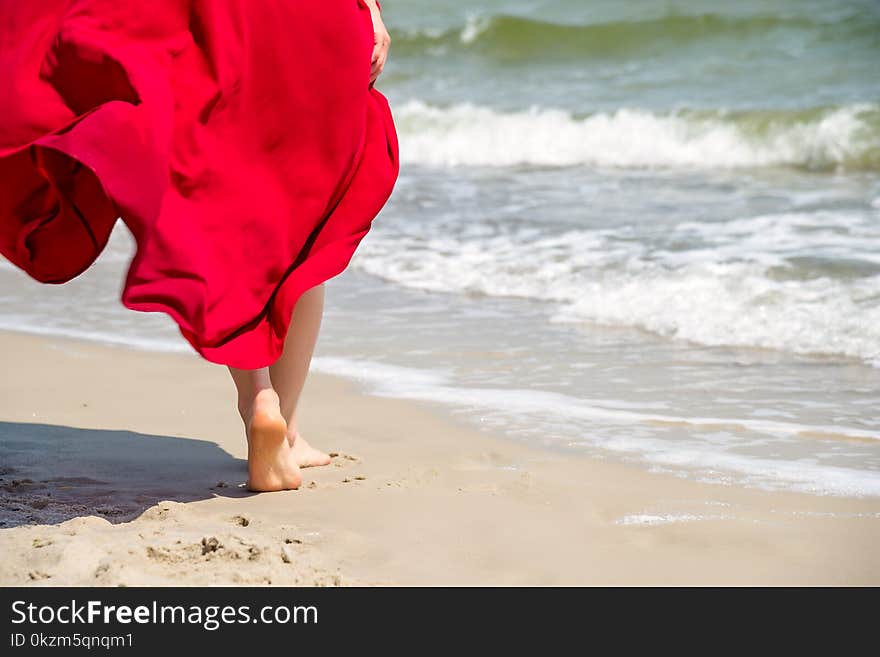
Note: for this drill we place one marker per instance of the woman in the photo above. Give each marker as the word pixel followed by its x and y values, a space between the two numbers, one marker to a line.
pixel 243 144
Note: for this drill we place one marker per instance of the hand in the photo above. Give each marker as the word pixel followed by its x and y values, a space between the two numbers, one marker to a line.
pixel 381 42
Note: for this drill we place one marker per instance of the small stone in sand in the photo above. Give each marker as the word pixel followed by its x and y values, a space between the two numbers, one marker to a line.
pixel 286 554
pixel 37 574
pixel 254 553
pixel 333 455
pixel 360 478
pixel 241 521
pixel 313 484
pixel 346 480
pixel 293 540
pixel 40 543
pixel 210 544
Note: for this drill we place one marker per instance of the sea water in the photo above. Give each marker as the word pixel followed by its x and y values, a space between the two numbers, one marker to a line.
pixel 647 231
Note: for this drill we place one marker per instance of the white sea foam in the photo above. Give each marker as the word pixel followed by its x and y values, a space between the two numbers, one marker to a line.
pixel 735 304
pixel 708 461
pixel 732 292
pixel 651 519
pixel 475 25
pixel 468 134
pixel 396 381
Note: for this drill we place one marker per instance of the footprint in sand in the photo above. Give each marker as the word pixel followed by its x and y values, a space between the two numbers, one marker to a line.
pixel 341 460
pixel 210 545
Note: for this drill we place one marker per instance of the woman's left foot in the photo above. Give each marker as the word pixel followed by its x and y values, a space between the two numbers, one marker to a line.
pixel 304 454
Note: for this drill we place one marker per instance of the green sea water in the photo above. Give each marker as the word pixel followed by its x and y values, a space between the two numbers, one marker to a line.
pixel 595 55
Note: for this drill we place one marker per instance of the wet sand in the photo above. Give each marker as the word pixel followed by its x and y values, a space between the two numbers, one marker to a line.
pixel 120 466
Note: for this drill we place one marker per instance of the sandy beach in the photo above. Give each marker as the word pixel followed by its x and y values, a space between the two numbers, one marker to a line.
pixel 125 467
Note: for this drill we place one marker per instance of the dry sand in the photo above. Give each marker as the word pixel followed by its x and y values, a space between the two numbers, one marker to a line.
pixel 120 466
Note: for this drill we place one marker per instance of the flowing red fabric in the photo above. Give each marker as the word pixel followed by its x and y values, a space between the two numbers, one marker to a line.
pixel 239 140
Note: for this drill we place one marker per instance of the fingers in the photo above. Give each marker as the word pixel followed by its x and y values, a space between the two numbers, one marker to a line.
pixel 377 67
pixel 380 54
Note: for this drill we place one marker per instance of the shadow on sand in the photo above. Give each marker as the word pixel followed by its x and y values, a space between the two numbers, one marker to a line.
pixel 49 473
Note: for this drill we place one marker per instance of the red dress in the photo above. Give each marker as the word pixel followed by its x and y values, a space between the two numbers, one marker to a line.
pixel 239 140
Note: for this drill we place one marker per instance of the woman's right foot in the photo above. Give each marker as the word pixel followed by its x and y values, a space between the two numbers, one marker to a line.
pixel 306 456
pixel 272 465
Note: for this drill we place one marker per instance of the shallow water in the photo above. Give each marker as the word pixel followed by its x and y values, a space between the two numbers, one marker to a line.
pixel 648 230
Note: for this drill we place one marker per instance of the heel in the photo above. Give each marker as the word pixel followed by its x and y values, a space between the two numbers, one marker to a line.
pixel 267 431
pixel 270 461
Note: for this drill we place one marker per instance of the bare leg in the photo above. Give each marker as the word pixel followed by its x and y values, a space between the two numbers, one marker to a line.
pixel 288 373
pixel 271 463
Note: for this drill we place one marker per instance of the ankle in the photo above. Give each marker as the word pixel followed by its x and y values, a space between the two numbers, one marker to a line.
pixel 247 404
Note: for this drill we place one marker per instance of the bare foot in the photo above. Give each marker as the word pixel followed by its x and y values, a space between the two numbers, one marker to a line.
pixel 271 462
pixel 306 456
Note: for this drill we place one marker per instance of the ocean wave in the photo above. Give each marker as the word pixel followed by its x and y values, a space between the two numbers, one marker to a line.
pixel 738 304
pixel 822 139
pixel 749 288
pixel 517 37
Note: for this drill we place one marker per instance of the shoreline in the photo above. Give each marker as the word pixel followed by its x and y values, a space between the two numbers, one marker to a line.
pixel 414 498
